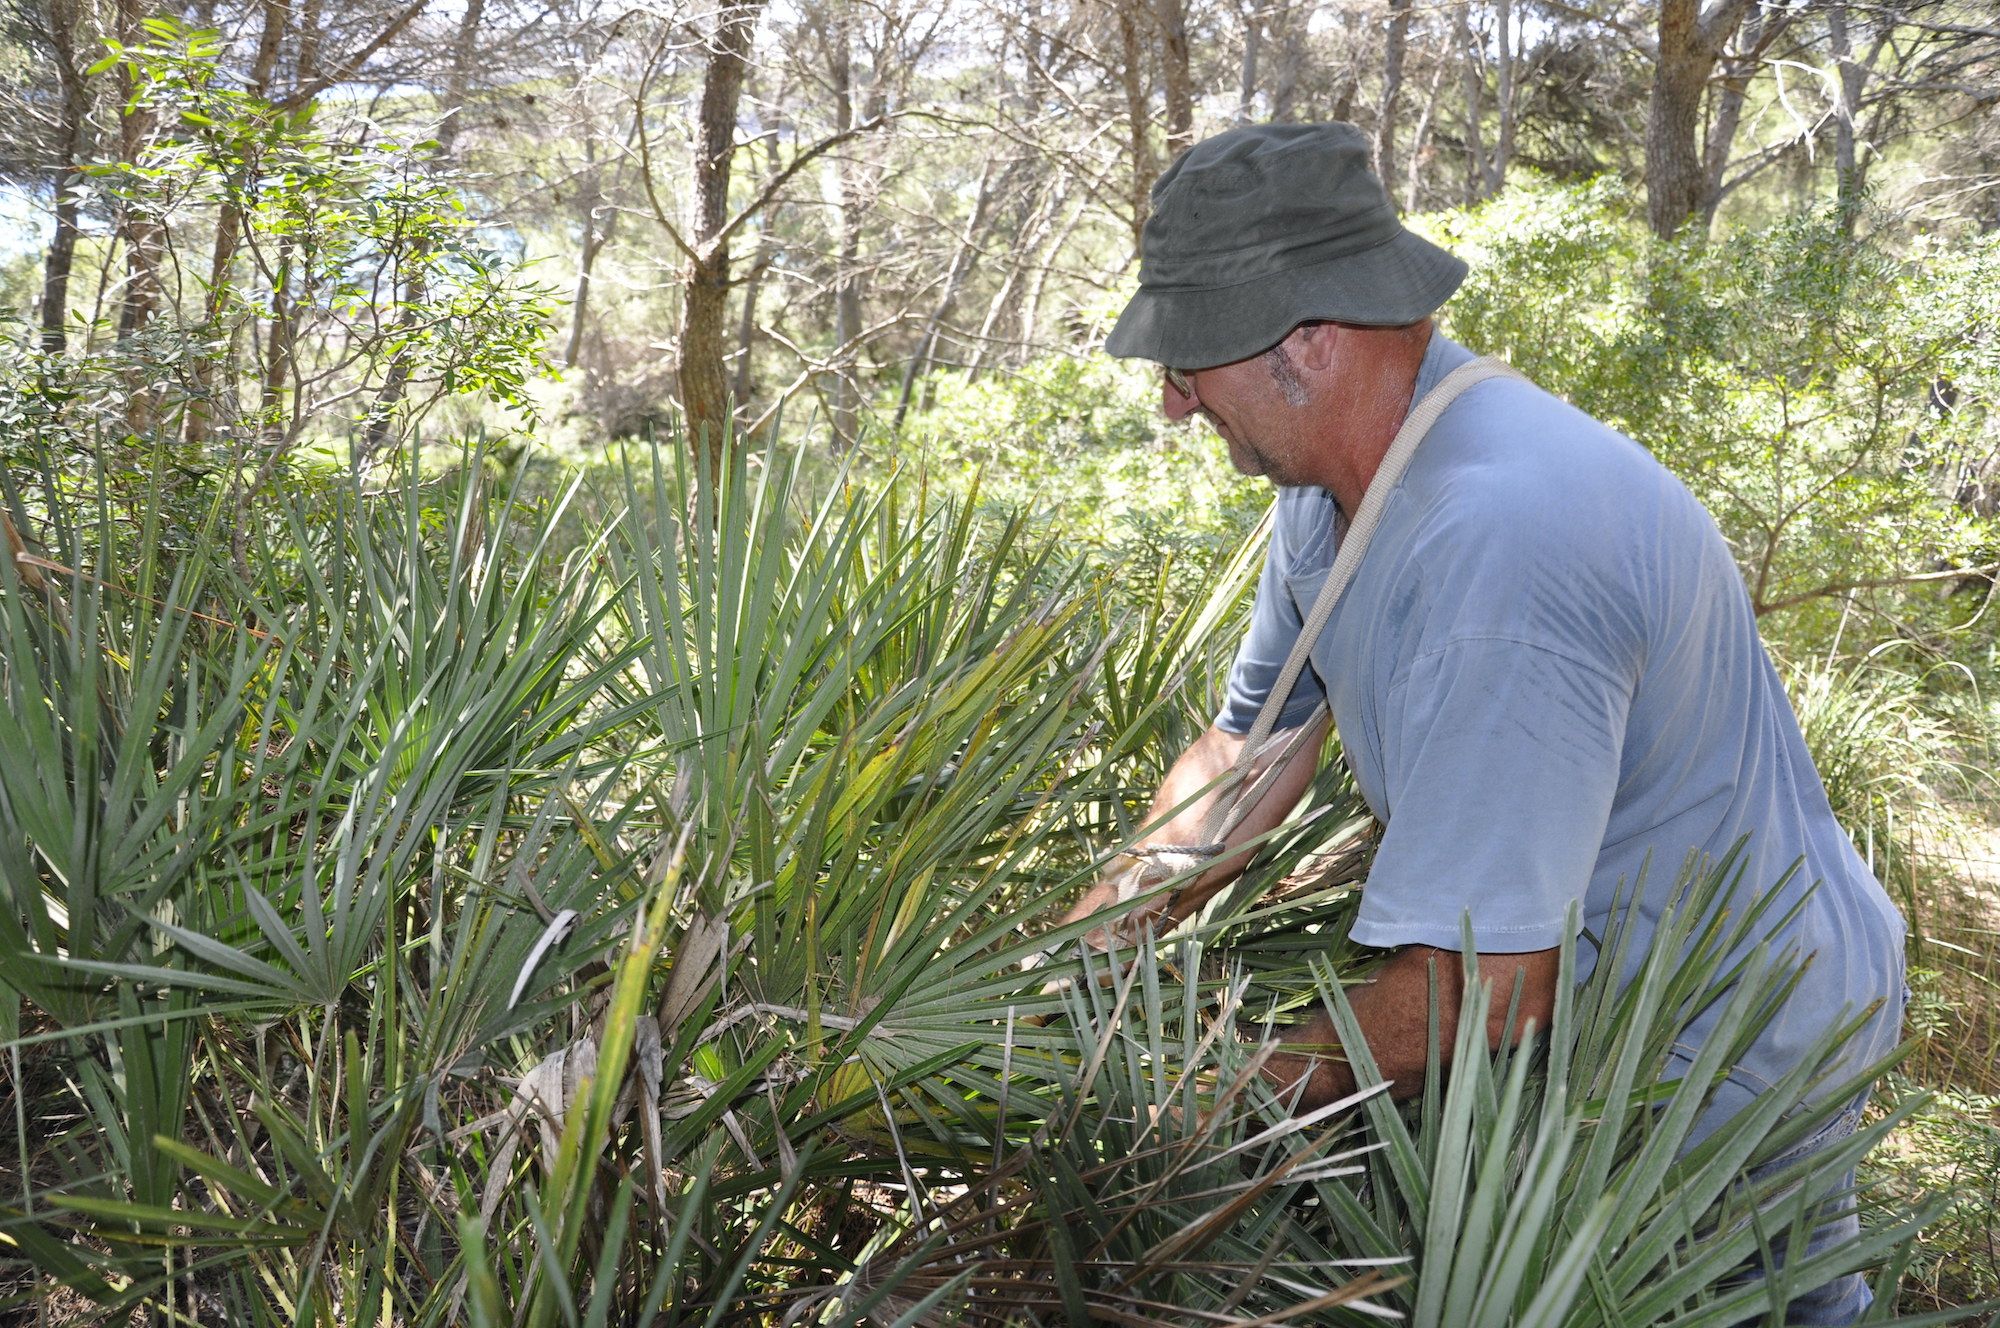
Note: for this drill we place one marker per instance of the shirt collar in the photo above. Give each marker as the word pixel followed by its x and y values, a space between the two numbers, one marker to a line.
pixel 1441 356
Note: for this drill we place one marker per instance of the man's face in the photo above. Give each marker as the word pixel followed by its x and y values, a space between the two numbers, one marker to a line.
pixel 1255 404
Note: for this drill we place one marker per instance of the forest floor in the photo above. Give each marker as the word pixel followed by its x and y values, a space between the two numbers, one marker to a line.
pixel 1952 1147
pixel 1955 917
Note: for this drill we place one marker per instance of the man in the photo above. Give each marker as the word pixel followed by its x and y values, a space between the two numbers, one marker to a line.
pixel 1545 669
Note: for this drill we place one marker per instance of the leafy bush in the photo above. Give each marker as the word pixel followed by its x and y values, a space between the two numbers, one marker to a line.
pixel 1079 440
pixel 1949 1148
pixel 1827 398
pixel 1883 754
pixel 319 291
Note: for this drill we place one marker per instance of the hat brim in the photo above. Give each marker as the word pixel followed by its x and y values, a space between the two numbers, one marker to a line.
pixel 1391 285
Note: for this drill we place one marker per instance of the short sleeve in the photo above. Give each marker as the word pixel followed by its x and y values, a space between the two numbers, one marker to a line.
pixel 1275 621
pixel 1500 762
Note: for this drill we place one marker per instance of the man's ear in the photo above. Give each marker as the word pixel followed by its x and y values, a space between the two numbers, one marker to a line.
pixel 1316 344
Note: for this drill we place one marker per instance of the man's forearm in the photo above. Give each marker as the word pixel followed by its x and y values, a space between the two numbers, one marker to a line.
pixel 1393 1009
pixel 1193 781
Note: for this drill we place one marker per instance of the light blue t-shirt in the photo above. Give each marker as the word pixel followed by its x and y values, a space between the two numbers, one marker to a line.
pixel 1545 669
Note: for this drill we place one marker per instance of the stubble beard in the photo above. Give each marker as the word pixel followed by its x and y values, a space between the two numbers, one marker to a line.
pixel 1248 458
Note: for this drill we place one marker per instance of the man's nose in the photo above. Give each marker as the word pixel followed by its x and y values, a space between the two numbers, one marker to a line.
pixel 1175 404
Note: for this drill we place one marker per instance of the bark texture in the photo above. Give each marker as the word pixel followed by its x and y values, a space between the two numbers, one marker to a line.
pixel 1691 40
pixel 1253 41
pixel 1759 29
pixel 1176 79
pixel 140 231
pixel 1132 77
pixel 851 207
pixel 1393 48
pixel 702 381
pixel 74 111
pixel 208 366
pixel 1853 80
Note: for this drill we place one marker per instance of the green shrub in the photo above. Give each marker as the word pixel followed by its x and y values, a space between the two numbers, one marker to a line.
pixel 1949 1148
pixel 1079 441
pixel 1824 394
pixel 1882 753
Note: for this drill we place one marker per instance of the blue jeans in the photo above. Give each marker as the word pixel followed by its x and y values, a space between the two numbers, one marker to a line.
pixel 1845 1299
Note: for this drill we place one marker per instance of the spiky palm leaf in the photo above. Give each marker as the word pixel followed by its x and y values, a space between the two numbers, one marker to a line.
pixel 479 929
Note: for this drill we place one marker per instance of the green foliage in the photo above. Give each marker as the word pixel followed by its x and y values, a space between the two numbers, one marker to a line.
pixel 1950 1148
pixel 1824 395
pixel 1560 1183
pixel 1826 391
pixel 451 921
pixel 1079 441
pixel 329 283
pixel 1882 753
pixel 256 828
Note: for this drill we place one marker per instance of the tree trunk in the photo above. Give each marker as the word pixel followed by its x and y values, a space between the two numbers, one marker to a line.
pixel 1349 86
pixel 1690 42
pixel 1847 167
pixel 75 111
pixel 1132 75
pixel 762 255
pixel 1474 78
pixel 143 235
pixel 1503 151
pixel 848 207
pixel 1392 89
pixel 1032 306
pixel 1253 35
pixel 1042 217
pixel 1729 98
pixel 1178 81
pixel 703 386
pixel 1759 29
pixel 595 237
pixel 311 33
pixel 1291 62
pixel 744 384
pixel 277 352
pixel 1673 170
pixel 228 237
pixel 56 270
pixel 1420 141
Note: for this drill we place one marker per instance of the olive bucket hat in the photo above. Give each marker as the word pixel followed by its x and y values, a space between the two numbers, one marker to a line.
pixel 1265 227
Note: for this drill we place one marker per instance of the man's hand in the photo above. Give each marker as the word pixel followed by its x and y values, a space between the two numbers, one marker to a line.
pixel 1123 931
pixel 1179 814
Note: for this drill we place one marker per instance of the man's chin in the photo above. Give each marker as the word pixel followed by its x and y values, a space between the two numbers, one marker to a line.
pixel 1247 461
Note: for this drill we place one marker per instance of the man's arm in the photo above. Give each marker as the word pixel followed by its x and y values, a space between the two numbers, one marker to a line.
pixel 1206 760
pixel 1393 1009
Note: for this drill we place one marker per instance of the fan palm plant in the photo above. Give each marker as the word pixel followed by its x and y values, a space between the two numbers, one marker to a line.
pixel 446 923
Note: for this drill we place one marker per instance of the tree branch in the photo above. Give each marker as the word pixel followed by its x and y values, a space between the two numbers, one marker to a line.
pixel 1714 28
pixel 791 168
pixel 1875 583
pixel 346 69
pixel 653 195
pixel 646 159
